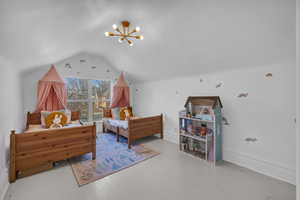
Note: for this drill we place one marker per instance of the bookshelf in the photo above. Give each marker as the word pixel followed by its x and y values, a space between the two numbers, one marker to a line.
pixel 200 126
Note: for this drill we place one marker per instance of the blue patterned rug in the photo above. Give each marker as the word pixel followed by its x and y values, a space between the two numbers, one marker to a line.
pixel 111 158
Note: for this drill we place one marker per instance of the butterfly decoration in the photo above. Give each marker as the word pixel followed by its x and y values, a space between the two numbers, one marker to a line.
pixel 218 85
pixel 224 119
pixel 68 66
pixel 248 139
pixel 243 95
pixel 269 75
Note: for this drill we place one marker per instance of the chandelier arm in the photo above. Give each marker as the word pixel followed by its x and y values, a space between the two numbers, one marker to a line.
pixel 118 30
pixel 126 39
pixel 133 31
pixel 117 35
pixel 129 42
pixel 123 30
pixel 133 36
pixel 127 31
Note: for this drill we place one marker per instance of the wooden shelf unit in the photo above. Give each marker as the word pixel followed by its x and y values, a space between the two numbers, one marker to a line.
pixel 207 147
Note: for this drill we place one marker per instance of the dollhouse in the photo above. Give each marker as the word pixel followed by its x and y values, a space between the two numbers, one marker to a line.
pixel 200 125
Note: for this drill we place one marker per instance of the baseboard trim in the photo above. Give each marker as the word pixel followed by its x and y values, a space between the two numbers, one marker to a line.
pixel 169 137
pixel 261 166
pixel 265 167
pixel 4 184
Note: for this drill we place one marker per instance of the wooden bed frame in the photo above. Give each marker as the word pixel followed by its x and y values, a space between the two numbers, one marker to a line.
pixel 138 128
pixel 32 152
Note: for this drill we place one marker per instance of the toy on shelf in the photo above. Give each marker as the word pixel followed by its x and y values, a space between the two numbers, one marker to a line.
pixel 183 113
pixel 203 130
pixel 190 128
pixel 200 126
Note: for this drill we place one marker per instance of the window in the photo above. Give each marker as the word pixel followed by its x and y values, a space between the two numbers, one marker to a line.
pixel 88 96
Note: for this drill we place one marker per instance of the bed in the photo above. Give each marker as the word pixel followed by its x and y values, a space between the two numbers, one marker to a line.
pixel 36 149
pixel 135 128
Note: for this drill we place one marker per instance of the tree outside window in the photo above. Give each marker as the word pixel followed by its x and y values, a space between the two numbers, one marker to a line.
pixel 88 96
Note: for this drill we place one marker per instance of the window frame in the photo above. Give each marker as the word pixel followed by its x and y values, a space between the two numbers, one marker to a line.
pixel 90 101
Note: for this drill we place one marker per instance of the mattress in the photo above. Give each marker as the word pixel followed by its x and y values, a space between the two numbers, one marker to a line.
pixel 117 123
pixel 39 127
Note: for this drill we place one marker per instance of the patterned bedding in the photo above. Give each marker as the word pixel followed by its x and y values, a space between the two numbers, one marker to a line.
pixel 117 123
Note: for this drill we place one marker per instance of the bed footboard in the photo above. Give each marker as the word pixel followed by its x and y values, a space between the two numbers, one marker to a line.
pixel 143 127
pixel 40 148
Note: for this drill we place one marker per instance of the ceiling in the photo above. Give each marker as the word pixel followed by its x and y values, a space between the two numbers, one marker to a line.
pixel 181 37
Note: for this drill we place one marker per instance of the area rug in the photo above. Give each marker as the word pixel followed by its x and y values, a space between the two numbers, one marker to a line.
pixel 111 157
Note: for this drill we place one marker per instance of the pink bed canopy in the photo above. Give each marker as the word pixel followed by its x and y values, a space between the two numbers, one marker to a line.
pixel 121 93
pixel 52 93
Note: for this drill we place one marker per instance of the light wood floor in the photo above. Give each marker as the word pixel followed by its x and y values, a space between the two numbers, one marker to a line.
pixel 171 175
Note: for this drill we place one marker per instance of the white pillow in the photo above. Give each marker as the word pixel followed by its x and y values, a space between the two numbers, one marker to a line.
pixel 44 115
pixel 115 113
pixel 69 115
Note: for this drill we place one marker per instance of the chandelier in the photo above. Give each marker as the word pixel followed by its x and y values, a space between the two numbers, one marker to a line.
pixel 124 33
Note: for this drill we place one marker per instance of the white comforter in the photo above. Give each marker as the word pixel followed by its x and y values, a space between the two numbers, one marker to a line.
pixel 117 123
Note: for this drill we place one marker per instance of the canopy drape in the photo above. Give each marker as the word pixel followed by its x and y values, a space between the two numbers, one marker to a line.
pixel 52 93
pixel 121 93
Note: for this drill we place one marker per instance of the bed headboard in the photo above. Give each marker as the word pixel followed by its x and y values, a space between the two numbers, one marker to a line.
pixel 108 114
pixel 35 118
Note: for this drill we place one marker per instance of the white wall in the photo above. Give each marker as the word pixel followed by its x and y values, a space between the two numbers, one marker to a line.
pixel 267 113
pixel 298 98
pixel 31 77
pixel 10 115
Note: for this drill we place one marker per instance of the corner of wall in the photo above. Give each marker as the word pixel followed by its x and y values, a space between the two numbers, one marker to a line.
pixel 265 167
pixel 4 184
pixel 298 98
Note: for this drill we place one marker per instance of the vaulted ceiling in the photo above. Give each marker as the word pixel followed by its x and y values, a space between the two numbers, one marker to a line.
pixel 181 37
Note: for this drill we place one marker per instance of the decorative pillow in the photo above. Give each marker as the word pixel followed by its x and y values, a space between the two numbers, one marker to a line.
pixel 129 113
pixel 115 113
pixel 68 113
pixel 56 120
pixel 44 115
pixel 126 113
